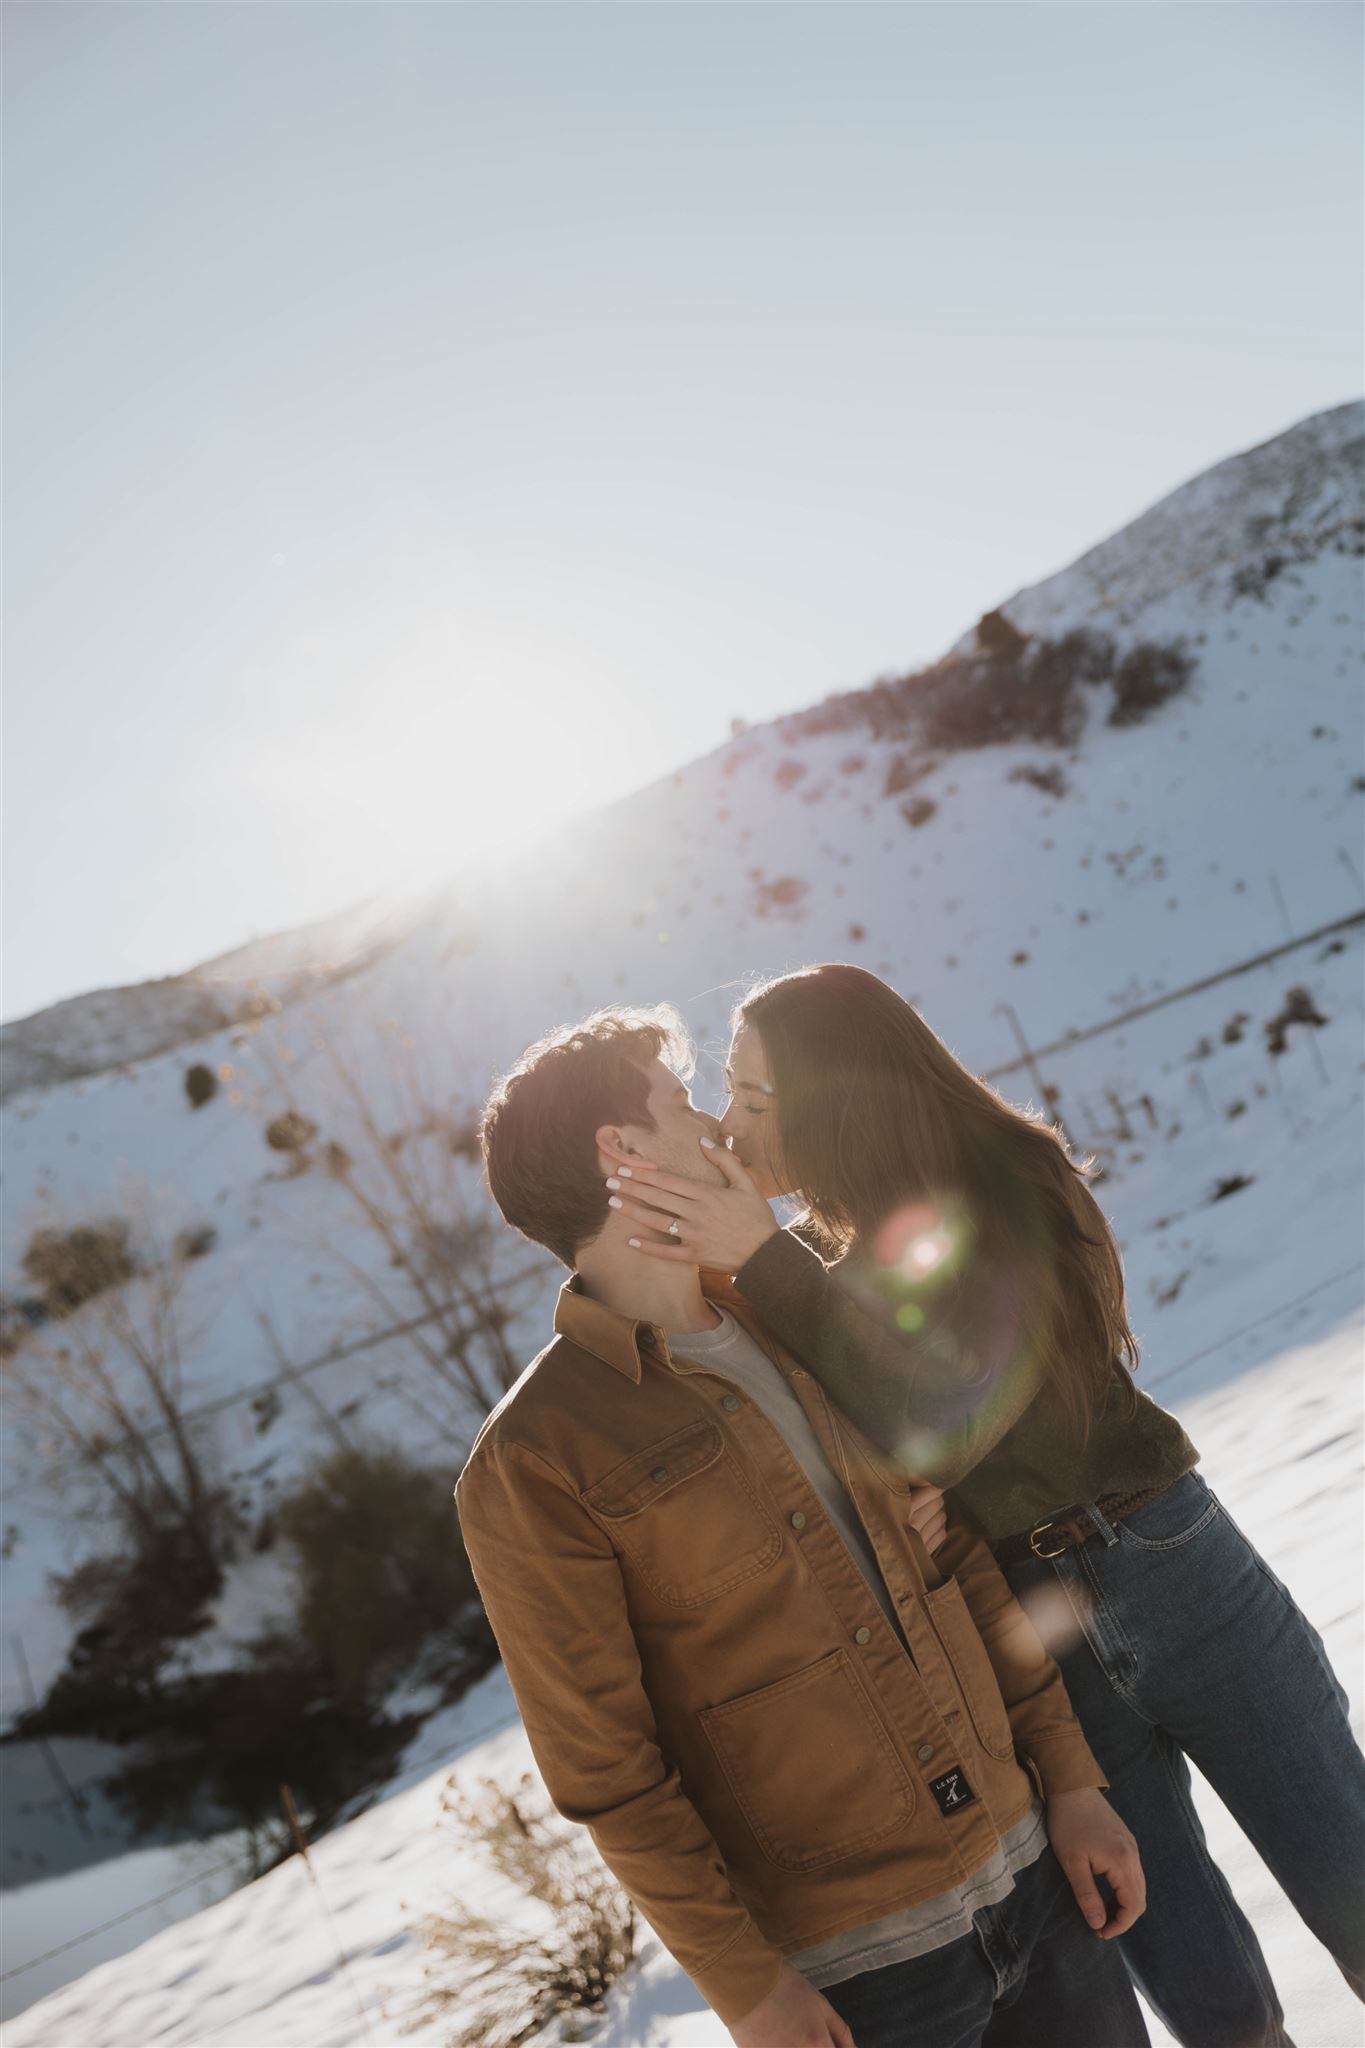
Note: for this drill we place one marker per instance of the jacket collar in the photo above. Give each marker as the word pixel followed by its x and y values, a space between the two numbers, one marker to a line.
pixel 623 1341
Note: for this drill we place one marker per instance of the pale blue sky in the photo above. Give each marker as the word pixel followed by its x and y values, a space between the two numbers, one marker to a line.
pixel 421 416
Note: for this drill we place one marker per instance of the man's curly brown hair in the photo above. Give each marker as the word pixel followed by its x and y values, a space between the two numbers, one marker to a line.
pixel 539 1127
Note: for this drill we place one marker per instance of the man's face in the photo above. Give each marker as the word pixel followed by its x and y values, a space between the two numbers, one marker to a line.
pixel 679 1126
pixel 750 1119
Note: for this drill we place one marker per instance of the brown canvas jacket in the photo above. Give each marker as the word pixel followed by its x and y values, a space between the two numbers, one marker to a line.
pixel 706 1679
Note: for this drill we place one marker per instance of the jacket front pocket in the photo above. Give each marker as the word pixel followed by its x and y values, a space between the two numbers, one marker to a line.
pixel 687 1516
pixel 972 1666
pixel 811 1766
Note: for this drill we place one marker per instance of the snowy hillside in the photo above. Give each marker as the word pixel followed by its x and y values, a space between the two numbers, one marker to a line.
pixel 1165 909
pixel 113 1027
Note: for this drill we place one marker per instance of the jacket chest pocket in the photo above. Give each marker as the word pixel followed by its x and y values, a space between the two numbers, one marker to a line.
pixel 687 1516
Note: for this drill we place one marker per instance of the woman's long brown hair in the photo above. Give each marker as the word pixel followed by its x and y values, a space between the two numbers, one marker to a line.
pixel 876 1117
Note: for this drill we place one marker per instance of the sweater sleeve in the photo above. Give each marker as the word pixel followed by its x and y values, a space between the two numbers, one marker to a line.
pixel 924 1404
pixel 552 1589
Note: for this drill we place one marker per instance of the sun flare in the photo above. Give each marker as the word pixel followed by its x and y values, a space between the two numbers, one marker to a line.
pixel 471 780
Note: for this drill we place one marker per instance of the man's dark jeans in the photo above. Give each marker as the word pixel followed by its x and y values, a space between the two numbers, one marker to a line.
pixel 1030 1975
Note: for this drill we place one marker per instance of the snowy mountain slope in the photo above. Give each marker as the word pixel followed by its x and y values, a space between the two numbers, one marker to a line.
pixel 1121 869
pixel 1230 531
pixel 111 1027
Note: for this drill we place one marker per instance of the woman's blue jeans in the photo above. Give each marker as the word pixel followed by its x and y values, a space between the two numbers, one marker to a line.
pixel 1193 1648
pixel 1031 1974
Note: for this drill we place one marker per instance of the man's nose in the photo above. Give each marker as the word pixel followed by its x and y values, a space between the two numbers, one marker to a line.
pixel 713 1128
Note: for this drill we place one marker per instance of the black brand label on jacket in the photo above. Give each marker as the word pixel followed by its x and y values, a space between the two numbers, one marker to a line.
pixel 951 1790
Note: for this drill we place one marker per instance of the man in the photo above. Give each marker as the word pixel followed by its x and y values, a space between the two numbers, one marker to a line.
pixel 795 1735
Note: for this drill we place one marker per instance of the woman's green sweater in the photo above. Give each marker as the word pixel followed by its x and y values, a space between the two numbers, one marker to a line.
pixel 1002 1440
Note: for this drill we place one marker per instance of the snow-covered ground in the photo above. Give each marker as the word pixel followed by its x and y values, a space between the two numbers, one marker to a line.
pixel 1225 828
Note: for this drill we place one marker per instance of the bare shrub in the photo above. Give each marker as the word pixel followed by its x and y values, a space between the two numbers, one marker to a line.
pixel 1046 776
pixel 223 1742
pixel 995 635
pixel 290 1132
pixel 783 894
pixel 1298 1008
pixel 201 1084
pixel 381 1567
pixel 108 1390
pixel 72 1264
pixel 18 1319
pixel 501 1982
pixel 1253 579
pixel 398 1143
pixel 989 703
pixel 904 770
pixel 1011 688
pixel 132 1607
pixel 918 810
pixel 1080 656
pixel 1148 676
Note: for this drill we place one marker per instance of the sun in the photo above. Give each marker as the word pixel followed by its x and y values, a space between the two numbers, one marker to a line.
pixel 471 778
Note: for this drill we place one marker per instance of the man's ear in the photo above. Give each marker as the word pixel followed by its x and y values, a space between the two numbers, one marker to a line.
pixel 614 1147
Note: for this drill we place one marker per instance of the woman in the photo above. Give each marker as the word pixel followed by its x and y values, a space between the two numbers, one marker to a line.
pixel 955 1287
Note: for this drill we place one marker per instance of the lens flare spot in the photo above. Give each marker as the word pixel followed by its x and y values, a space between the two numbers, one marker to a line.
pixel 901 1230
pixel 924 1253
pixel 921 1244
pixel 910 1316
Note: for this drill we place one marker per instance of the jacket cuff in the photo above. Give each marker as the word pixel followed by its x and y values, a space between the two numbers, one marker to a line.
pixel 1063 1763
pixel 740 1977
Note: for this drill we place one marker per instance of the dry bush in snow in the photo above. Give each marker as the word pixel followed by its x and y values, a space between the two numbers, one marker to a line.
pixel 106 1390
pixel 398 1143
pixel 382 1572
pixel 201 1084
pixel 70 1264
pixel 497 1982
pixel 103 1393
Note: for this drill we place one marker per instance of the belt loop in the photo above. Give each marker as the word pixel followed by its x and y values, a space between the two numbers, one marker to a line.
pixel 1109 1534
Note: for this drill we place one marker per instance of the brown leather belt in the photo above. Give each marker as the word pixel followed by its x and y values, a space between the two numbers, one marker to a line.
pixel 1062 1531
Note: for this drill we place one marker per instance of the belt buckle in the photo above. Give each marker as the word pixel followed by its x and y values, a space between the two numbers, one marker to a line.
pixel 1041 1529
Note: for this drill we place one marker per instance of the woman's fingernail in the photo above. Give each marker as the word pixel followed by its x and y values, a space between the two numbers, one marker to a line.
pixel 612 1181
pixel 615 1202
pixel 709 1143
pixel 624 1172
pixel 634 1243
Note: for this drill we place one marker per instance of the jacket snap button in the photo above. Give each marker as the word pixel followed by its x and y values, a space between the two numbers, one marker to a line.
pixel 925 1751
pixel 659 1472
pixel 862 1635
pixel 798 1520
pixel 730 1401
